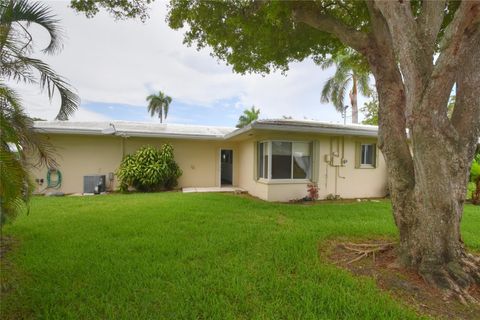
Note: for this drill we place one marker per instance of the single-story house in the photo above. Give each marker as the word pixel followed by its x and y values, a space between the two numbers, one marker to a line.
pixel 271 159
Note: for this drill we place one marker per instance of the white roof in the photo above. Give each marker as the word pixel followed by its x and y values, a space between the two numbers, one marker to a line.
pixel 145 129
pixel 139 129
pixel 309 126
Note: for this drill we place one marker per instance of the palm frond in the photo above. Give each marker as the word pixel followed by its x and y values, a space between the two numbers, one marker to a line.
pixel 363 81
pixel 166 105
pixel 18 129
pixel 51 81
pixel 327 63
pixel 37 13
pixel 340 92
pixel 327 90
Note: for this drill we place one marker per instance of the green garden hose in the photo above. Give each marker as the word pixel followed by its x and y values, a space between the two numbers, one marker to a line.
pixel 54 183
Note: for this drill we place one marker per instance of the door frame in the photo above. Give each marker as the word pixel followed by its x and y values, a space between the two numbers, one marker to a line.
pixel 220 165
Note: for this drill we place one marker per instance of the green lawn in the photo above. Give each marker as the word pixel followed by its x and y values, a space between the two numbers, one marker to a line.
pixel 193 256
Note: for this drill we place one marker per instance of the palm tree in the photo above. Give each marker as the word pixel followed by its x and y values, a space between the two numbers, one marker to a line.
pixel 351 72
pixel 248 116
pixel 17 138
pixel 159 103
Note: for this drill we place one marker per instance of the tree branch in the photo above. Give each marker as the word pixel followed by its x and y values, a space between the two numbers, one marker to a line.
pixel 456 41
pixel 415 63
pixel 466 114
pixel 391 94
pixel 430 21
pixel 356 39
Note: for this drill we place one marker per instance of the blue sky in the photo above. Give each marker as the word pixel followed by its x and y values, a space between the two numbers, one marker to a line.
pixel 220 114
pixel 114 65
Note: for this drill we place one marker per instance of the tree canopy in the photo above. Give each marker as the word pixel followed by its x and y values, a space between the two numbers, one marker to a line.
pixel 120 9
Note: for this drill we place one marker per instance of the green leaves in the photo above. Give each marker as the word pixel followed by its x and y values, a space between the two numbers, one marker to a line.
pixel 250 36
pixel 248 116
pixel 149 169
pixel 475 170
pixel 120 9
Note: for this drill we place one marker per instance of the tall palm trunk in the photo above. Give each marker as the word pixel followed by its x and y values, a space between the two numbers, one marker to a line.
pixel 353 99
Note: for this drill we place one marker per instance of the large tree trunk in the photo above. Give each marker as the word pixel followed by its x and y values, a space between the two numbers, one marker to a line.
pixel 432 242
pixel 428 176
pixel 427 170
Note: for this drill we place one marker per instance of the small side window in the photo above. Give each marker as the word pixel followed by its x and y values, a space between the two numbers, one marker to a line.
pixel 366 155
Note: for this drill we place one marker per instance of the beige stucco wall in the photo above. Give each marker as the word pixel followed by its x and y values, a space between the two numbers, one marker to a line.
pixel 80 155
pixel 247 178
pixel 346 181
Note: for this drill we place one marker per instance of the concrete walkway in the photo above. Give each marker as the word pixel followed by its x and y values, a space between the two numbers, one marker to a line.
pixel 213 189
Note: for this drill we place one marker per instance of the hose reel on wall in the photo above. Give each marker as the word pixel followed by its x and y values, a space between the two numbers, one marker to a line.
pixel 54 178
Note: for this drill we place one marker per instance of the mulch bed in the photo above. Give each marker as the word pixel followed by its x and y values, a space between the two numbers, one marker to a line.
pixel 404 285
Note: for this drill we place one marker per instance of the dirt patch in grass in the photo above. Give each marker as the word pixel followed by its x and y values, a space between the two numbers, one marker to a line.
pixel 6 244
pixel 402 284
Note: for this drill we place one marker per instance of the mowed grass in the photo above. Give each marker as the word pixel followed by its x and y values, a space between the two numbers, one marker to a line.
pixel 194 256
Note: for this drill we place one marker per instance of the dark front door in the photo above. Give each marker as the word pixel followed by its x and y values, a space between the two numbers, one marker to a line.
pixel 226 167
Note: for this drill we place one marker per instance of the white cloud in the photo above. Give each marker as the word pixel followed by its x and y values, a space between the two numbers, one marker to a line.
pixel 123 61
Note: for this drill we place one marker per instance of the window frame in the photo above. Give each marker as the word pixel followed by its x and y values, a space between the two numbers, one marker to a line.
pixel 269 178
pixel 360 156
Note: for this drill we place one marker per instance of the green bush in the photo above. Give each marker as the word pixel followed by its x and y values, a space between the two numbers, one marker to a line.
pixel 149 169
pixel 470 190
pixel 473 187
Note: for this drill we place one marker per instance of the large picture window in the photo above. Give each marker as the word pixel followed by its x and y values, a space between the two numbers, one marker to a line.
pixel 287 160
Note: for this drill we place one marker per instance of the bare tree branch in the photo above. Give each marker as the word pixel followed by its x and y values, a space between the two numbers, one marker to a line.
pixel 416 65
pixel 430 21
pixel 456 40
pixel 466 115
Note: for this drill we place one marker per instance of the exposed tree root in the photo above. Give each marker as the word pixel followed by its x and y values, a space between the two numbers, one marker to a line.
pixel 363 250
pixel 455 279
